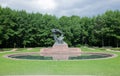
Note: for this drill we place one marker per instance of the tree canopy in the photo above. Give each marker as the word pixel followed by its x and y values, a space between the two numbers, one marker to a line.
pixel 22 29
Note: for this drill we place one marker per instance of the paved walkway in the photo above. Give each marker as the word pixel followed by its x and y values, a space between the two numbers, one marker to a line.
pixel 29 48
pixel 14 49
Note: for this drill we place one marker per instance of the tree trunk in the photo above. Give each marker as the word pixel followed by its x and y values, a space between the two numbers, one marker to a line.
pixel 14 45
pixel 109 42
pixel 117 43
pixel 24 46
pixel 102 42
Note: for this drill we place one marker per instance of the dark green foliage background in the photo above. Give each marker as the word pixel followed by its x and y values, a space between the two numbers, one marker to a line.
pixel 22 29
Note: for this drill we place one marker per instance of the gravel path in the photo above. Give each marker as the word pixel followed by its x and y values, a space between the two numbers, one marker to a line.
pixel 29 48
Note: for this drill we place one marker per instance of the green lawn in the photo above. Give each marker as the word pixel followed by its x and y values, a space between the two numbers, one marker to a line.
pixel 5 49
pixel 104 67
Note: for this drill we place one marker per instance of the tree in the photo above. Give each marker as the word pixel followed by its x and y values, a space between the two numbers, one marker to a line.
pixel 22 29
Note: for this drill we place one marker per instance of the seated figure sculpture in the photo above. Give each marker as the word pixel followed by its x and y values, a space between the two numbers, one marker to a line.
pixel 58 36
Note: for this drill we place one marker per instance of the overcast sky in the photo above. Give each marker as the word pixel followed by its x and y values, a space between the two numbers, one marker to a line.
pixel 63 7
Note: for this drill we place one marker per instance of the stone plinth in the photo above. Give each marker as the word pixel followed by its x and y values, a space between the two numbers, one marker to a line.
pixel 60 52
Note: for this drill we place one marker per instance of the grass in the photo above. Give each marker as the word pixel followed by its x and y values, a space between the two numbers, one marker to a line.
pixel 104 67
pixel 116 49
pixel 5 49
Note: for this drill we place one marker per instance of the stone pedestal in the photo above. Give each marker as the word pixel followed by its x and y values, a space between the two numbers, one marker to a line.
pixel 60 52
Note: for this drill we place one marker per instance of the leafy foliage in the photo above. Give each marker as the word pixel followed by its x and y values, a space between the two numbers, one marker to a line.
pixel 22 29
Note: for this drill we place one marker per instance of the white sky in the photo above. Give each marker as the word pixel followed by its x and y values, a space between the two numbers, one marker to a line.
pixel 63 7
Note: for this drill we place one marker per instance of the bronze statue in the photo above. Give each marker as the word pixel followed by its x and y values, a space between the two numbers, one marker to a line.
pixel 58 36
